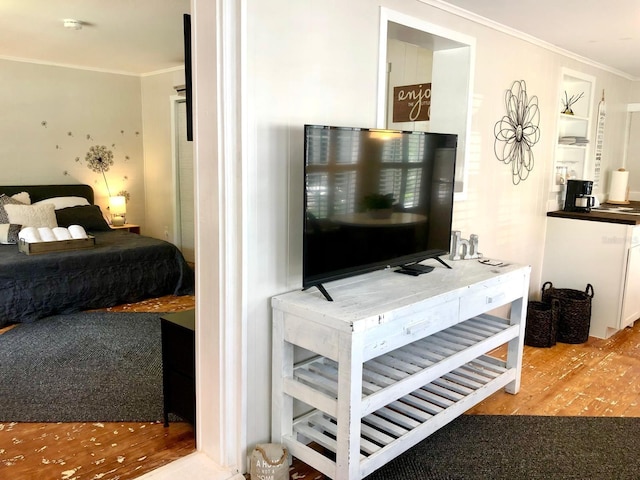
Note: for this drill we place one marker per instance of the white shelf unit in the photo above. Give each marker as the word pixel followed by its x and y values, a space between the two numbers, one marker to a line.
pixel 391 360
pixel 573 161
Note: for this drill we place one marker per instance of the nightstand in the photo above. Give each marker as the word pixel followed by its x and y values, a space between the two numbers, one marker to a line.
pixel 130 227
pixel 179 365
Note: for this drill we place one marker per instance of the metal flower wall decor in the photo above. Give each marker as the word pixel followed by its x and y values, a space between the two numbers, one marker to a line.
pixel 517 132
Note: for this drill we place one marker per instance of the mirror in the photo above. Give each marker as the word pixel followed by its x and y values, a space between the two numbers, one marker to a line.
pixel 426 68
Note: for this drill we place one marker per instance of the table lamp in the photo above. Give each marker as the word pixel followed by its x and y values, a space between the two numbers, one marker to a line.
pixel 118 210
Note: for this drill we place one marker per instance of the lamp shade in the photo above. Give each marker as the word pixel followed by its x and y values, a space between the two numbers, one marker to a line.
pixel 117 205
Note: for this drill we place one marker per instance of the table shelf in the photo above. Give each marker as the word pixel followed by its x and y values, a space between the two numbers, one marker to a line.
pixel 399 425
pixel 391 361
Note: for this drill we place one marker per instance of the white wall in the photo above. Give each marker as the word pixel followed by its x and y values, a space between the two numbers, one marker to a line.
pixel 50 116
pixel 316 62
pixel 157 90
pixel 128 114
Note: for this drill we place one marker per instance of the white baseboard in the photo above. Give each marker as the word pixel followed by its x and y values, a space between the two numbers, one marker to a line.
pixel 196 466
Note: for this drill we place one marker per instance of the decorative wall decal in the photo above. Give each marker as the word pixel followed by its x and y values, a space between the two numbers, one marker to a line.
pixel 99 156
pixel 517 132
pixel 125 194
pixel 99 159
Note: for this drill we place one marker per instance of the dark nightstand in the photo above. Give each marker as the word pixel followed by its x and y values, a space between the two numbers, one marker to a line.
pixel 179 365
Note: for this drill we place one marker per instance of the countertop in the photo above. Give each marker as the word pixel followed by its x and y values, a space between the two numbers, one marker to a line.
pixel 607 212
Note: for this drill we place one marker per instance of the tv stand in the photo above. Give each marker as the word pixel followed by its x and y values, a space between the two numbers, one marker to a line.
pixel 391 361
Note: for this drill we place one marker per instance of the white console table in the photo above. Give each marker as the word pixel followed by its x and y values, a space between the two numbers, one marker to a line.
pixel 393 359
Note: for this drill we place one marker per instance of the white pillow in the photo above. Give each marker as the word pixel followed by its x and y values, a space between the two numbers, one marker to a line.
pixel 32 215
pixel 64 202
pixel 22 197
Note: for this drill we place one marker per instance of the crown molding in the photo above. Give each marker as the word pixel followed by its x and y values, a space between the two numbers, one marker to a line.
pixel 466 14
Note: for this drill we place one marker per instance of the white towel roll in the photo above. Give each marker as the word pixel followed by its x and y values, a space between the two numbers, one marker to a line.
pixel 61 233
pixel 46 234
pixel 29 235
pixel 77 231
pixel 619 189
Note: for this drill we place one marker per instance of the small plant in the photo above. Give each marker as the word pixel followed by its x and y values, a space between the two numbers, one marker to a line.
pixel 570 100
pixel 377 201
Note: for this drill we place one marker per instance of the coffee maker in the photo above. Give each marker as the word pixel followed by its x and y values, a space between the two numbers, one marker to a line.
pixel 579 198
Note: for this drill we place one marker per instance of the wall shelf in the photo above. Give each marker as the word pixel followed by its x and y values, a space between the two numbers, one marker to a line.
pixel 573 161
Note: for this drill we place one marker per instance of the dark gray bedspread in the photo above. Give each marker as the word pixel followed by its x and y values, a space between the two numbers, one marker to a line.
pixel 122 268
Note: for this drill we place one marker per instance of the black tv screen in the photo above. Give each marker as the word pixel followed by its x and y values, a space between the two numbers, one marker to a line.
pixel 373 199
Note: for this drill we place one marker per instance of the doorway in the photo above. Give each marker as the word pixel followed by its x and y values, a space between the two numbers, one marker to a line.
pixel 442 58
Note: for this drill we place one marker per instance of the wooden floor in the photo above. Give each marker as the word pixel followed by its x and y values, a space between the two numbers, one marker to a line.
pixel 95 451
pixel 598 378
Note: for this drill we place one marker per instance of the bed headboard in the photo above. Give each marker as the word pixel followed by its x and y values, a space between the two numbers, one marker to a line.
pixel 40 192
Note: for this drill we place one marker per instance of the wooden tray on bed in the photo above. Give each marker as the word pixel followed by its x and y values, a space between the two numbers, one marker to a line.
pixel 57 246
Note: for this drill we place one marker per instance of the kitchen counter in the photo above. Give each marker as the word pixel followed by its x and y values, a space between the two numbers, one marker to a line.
pixel 607 212
pixel 603 252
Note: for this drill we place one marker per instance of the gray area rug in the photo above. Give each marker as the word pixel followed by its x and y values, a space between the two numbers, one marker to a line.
pixel 83 367
pixel 491 447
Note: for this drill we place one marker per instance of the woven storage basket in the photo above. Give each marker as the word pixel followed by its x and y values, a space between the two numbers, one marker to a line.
pixel 542 323
pixel 574 318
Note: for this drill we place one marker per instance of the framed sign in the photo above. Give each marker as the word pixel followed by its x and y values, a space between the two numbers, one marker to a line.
pixel 412 103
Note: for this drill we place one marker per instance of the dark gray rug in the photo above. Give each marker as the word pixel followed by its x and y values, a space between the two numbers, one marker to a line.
pixel 83 367
pixel 489 447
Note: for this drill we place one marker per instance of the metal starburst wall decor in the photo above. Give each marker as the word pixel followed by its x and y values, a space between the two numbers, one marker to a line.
pixel 517 132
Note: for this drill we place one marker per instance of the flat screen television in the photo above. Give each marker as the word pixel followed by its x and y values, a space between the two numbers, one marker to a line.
pixel 374 199
pixel 186 26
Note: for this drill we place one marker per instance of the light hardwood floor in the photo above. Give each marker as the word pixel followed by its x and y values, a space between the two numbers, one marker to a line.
pixel 597 378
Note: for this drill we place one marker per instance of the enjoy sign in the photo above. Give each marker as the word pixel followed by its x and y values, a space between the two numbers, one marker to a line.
pixel 412 103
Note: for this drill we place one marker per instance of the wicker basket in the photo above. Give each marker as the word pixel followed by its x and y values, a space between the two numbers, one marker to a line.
pixel 542 323
pixel 574 318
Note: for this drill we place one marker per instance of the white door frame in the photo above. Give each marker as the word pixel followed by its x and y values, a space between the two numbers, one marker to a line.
pixel 218 73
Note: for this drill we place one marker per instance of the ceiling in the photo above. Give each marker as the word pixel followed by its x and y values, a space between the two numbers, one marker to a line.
pixel 125 36
pixel 143 36
pixel 606 32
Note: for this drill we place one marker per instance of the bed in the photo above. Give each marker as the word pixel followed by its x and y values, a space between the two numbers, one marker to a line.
pixel 123 267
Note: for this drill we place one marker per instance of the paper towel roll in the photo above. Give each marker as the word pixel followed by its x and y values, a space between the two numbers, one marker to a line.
pixel 619 190
pixel 29 235
pixel 77 232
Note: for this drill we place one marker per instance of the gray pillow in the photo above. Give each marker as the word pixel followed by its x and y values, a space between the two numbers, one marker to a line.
pixel 6 200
